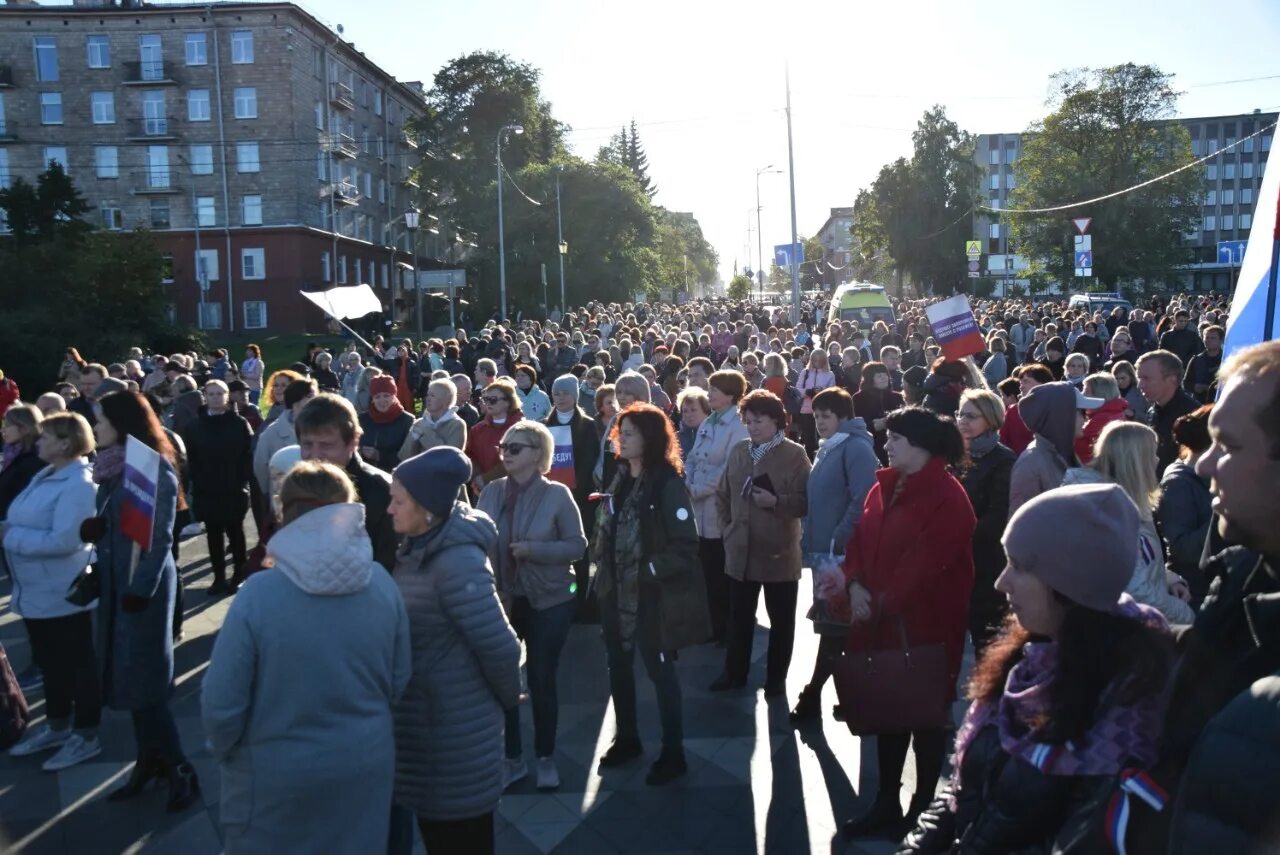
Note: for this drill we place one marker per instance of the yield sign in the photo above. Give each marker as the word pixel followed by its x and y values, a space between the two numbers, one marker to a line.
pixel 1082 224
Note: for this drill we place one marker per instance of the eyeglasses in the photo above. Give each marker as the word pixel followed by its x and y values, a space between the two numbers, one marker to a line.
pixel 962 416
pixel 512 448
pixel 492 399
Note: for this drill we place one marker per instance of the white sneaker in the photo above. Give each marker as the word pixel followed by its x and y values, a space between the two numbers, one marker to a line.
pixel 75 750
pixel 39 739
pixel 191 530
pixel 513 769
pixel 548 777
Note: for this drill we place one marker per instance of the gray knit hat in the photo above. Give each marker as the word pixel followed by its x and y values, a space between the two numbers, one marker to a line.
pixel 107 386
pixel 434 477
pixel 565 383
pixel 1103 516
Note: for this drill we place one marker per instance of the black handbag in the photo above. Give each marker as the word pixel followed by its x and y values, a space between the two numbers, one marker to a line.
pixel 85 587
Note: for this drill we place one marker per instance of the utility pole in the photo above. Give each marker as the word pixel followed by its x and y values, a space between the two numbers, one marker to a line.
pixel 564 307
pixel 791 168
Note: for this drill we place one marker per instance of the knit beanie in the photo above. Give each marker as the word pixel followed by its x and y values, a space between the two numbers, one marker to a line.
pixel 382 385
pixel 566 383
pixel 1104 515
pixel 109 385
pixel 433 477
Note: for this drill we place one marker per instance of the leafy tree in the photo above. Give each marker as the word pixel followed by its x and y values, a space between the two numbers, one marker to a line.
pixel 615 150
pixel 1108 130
pixel 638 162
pixel 51 208
pixel 739 287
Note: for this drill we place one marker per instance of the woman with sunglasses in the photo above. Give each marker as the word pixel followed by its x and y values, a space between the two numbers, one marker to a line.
pixel 539 537
pixel 501 410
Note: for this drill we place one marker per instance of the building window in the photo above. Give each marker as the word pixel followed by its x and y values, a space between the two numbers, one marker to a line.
pixel 1211 198
pixel 247 157
pixel 246 102
pixel 206 212
pixel 206 265
pixel 99 51
pixel 103 107
pixel 46 48
pixel 994 231
pixel 1228 196
pixel 255 314
pixel 382 190
pixel 57 153
pixel 197 49
pixel 251 210
pixel 377 102
pixel 1266 143
pixel 1246 221
pixel 995 181
pixel 202 160
pixel 325 273
pixel 1228 222
pixel 107 161
pixel 151 56
pixel 319 116
pixel 210 316
pixel 1246 169
pixel 1211 172
pixel 166 268
pixel 50 108
pixel 1210 223
pixel 1246 195
pixel 112 218
pixel 153 111
pixel 198 105
pixel 253 263
pixel 995 157
pixel 342 268
pixel 322 166
pixel 159 213
pixel 1228 171
pixel 386 275
pixel 242 47
pixel 317 62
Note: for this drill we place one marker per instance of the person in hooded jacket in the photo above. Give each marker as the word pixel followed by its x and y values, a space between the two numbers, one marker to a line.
pixel 220 463
pixel 328 601
pixel 466 658
pixel 1184 510
pixel 385 427
pixel 942 388
pixel 1054 413
pixel 1067 702
pixel 843 471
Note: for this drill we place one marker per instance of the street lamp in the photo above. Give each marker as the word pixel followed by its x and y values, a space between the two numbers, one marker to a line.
pixel 411 223
pixel 764 170
pixel 502 255
pixel 560 240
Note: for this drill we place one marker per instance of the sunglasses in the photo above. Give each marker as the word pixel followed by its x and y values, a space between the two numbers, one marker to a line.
pixel 498 399
pixel 512 448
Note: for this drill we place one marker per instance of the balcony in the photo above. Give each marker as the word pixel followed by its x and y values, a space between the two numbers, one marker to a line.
pixel 408 139
pixel 341 96
pixel 410 180
pixel 151 129
pixel 344 145
pixel 8 131
pixel 346 194
pixel 155 181
pixel 153 72
pixel 6 76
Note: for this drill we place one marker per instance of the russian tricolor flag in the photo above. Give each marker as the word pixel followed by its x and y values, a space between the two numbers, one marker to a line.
pixel 141 480
pixel 1253 308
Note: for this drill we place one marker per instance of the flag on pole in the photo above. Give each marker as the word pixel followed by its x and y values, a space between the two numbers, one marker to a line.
pixel 955 329
pixel 141 484
pixel 347 301
pixel 1256 285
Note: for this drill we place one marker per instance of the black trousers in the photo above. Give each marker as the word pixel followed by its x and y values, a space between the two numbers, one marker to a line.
pixel 891 757
pixel 472 836
pixel 808 433
pixel 830 649
pixel 711 551
pixel 218 533
pixel 180 521
pixel 62 648
pixel 780 602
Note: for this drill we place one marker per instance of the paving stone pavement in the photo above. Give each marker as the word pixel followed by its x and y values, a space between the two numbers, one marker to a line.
pixel 754 783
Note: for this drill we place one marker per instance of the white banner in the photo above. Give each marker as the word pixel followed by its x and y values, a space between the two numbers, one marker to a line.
pixel 348 301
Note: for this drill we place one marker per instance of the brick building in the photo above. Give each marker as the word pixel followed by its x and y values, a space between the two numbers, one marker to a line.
pixel 264 151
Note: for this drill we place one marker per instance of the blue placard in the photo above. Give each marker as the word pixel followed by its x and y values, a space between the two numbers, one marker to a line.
pixel 784 255
pixel 1231 251
pixel 1084 259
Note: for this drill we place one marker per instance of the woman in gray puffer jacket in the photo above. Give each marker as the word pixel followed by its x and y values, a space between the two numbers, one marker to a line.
pixel 466 659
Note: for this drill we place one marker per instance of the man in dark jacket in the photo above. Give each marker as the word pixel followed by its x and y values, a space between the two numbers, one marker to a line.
pixel 1160 382
pixel 566 415
pixel 1182 340
pixel 1202 371
pixel 329 430
pixel 1090 345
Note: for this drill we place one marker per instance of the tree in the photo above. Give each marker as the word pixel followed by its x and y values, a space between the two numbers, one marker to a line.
pixel 739 287
pixel 638 162
pixel 1109 129
pixel 915 208
pixel 52 208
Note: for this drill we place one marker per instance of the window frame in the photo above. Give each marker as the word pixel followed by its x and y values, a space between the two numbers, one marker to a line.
pixel 202 208
pixel 50 43
pixel 98 165
pixel 259 256
pixel 94 103
pixel 66 155
pixel 195 38
pixel 242 147
pixel 92 44
pixel 238 40
pixel 193 161
pixel 244 209
pixel 262 304
pixel 192 101
pixel 238 96
pixel 44 120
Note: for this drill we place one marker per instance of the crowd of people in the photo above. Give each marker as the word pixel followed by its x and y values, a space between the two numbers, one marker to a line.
pixel 1089 503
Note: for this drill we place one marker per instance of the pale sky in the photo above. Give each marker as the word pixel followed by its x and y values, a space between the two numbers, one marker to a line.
pixel 705 78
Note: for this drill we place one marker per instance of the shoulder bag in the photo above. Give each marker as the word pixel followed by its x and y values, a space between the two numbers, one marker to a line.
pixel 896 690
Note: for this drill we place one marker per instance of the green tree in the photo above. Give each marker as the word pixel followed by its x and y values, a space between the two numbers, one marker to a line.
pixel 638 162
pixel 739 287
pixel 1109 129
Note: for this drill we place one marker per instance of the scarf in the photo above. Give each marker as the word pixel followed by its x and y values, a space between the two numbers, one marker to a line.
pixel 451 413
pixel 759 451
pixel 11 452
pixel 827 446
pixel 509 570
pixel 1119 737
pixel 392 413
pixel 403 393
pixel 982 446
pixel 108 464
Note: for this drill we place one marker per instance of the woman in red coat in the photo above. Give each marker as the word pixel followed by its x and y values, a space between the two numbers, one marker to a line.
pixel 911 559
pixel 501 411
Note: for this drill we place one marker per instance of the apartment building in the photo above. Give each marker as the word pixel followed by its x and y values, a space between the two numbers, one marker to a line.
pixel 837 247
pixel 1231 182
pixel 266 153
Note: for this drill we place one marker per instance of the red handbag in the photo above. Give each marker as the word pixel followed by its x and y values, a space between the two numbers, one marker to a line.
pixel 894 690
pixel 14 714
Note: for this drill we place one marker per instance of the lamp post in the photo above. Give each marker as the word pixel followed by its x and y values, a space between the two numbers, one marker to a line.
pixel 764 170
pixel 560 240
pixel 502 255
pixel 411 223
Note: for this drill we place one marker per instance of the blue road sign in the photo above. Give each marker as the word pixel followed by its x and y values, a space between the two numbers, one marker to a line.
pixel 1084 259
pixel 786 254
pixel 1231 251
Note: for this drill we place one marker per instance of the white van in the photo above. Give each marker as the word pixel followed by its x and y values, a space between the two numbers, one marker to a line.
pixel 1099 303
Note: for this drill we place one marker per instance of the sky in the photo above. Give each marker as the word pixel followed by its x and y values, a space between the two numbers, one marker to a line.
pixel 705 79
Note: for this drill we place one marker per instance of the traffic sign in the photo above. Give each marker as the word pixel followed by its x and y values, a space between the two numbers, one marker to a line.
pixel 1082 224
pixel 973 274
pixel 1231 251
pixel 973 248
pixel 1084 259
pixel 1084 271
pixel 784 254
pixel 973 266
pixel 1084 243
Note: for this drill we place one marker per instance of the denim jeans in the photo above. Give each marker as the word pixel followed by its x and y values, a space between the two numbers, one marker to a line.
pixel 659 664
pixel 544 632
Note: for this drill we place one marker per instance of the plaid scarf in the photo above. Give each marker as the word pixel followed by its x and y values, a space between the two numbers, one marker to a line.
pixel 759 451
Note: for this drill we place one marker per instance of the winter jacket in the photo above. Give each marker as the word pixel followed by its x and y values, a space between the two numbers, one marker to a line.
pixel 763 545
pixel 219 464
pixel 1038 469
pixel 136 649
pixel 1184 514
pixel 15 477
pixel 1021 336
pixel 275 436
pixel 547 518
pixel 1161 418
pixel 871 405
pixel 915 557
pixel 426 433
pixel 1014 433
pixel 482 446
pixel 268 725
pixel 42 539
pixel 373 486
pixel 466 672
pixel 1115 410
pixel 387 438
pixel 986 483
pixel 10 394
pixel 706 464
pixel 995 369
pixel 535 404
pixel 836 490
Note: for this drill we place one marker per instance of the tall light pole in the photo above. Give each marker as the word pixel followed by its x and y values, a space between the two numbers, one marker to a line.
pixel 411 223
pixel 759 235
pixel 564 307
pixel 795 238
pixel 502 254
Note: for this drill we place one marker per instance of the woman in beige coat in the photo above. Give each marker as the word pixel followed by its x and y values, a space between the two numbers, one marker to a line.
pixel 761 501
pixel 440 423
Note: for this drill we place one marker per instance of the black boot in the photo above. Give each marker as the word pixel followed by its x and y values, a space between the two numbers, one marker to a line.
pixel 622 751
pixel 808 706
pixel 146 769
pixel 184 787
pixel 883 820
pixel 919 804
pixel 669 766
